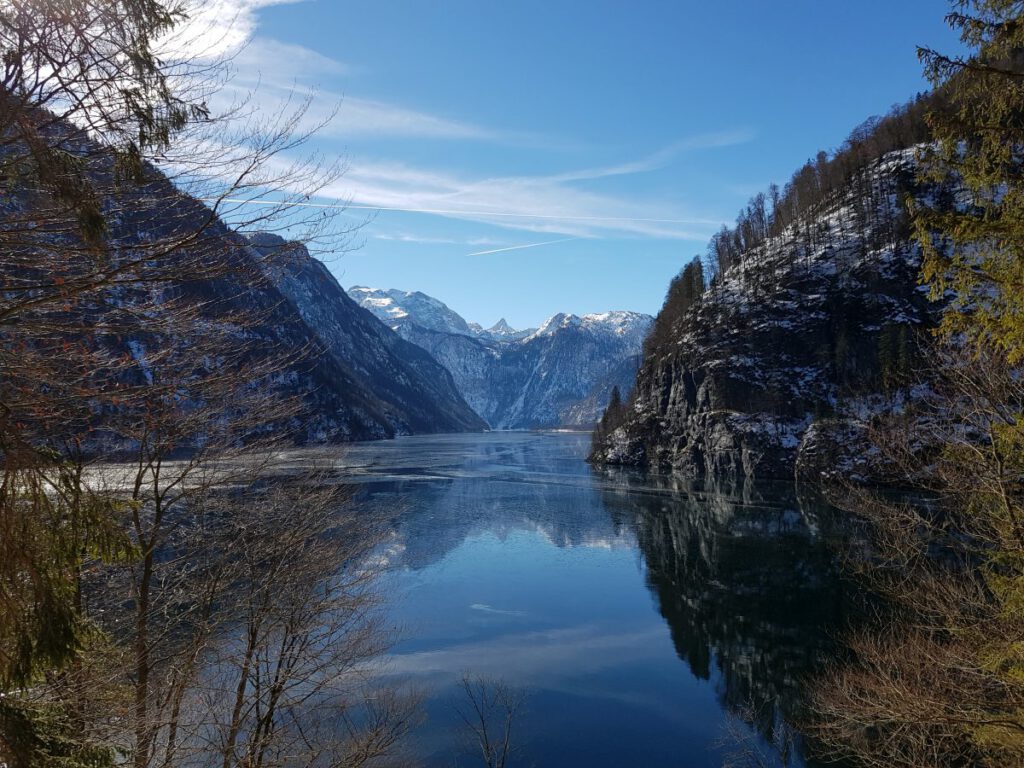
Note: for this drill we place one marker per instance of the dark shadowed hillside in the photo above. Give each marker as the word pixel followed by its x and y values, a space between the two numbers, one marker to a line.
pixel 803 327
pixel 354 377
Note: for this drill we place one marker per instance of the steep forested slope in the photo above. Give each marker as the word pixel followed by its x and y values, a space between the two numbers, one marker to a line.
pixel 804 326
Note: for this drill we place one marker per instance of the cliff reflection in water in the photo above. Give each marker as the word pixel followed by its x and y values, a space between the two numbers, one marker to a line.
pixel 514 559
pixel 745 580
pixel 493 485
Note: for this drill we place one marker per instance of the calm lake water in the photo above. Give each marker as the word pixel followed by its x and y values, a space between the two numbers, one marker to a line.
pixel 652 623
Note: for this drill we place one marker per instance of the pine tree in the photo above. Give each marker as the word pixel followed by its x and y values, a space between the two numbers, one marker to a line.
pixel 940 680
pixel 975 250
pixel 615 400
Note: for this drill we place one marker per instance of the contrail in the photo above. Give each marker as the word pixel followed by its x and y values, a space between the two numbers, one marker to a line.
pixel 520 247
pixel 447 211
pixel 488 609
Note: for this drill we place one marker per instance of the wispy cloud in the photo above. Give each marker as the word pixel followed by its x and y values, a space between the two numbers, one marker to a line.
pixel 419 239
pixel 365 117
pixel 529 203
pixel 410 237
pixel 260 80
pixel 214 29
pixel 270 73
pixel 542 203
pixel 284 63
pixel 484 608
pixel 663 157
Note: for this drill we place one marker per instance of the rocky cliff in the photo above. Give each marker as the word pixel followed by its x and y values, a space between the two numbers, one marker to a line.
pixel 792 343
pixel 416 393
pixel 355 378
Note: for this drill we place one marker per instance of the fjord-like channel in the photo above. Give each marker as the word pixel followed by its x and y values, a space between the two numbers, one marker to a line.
pixel 651 622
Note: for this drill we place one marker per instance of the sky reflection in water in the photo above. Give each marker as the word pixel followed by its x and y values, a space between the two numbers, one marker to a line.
pixel 642 615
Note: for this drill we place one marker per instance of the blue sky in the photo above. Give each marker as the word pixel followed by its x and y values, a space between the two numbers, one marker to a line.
pixel 611 137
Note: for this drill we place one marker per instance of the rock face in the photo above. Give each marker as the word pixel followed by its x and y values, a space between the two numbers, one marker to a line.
pixel 356 378
pixel 803 332
pixel 560 374
pixel 416 393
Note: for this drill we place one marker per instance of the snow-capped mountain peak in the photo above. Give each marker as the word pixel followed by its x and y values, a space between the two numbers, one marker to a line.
pixel 556 323
pixel 501 331
pixel 558 374
pixel 619 323
pixel 397 307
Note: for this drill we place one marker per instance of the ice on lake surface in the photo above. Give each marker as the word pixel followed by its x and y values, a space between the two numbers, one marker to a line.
pixel 652 622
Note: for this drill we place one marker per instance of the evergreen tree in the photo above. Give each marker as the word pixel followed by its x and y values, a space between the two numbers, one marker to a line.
pixel 615 400
pixel 976 249
pixel 939 681
pixel 684 292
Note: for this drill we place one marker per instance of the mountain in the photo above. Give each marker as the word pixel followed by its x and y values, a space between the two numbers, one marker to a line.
pixel 417 393
pixel 397 308
pixel 779 362
pixel 500 331
pixel 560 374
pixel 356 378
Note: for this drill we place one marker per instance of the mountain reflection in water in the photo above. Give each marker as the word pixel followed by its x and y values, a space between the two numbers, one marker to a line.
pixel 514 559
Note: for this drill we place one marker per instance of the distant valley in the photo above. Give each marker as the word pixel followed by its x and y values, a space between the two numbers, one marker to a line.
pixel 560 374
pixel 370 366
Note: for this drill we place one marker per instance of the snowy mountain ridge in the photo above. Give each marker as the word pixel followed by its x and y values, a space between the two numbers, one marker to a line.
pixel 395 307
pixel 500 331
pixel 617 322
pixel 560 374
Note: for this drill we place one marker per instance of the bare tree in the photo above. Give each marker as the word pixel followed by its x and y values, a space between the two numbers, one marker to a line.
pixel 933 678
pixel 273 661
pixel 117 177
pixel 489 711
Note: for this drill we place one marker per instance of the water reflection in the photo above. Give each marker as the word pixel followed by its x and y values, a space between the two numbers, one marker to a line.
pixel 441 491
pixel 744 580
pixel 515 559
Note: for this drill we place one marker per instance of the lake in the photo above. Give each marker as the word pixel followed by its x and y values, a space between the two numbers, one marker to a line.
pixel 651 622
